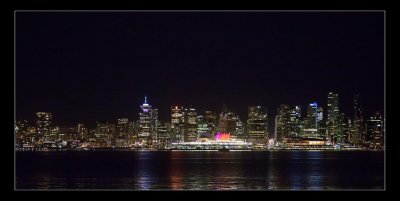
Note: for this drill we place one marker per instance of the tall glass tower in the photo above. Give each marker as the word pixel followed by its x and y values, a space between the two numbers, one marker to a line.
pixel 147 123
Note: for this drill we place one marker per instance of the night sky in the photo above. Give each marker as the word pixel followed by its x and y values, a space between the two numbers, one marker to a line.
pixel 92 66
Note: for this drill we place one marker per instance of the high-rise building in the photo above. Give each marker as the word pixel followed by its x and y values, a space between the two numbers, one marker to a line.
pixel 375 131
pixel 163 135
pixel 321 123
pixel 348 131
pixel 104 133
pixel 312 116
pixel 358 123
pixel 332 121
pixel 227 123
pixel 239 129
pixel 203 131
pixel 132 132
pixel 82 132
pixel 44 123
pixel 120 139
pixel 148 118
pixel 287 122
pixel 257 124
pixel 313 120
pixel 283 123
pixel 211 119
pixel 295 120
pixel 276 129
pixel 177 120
pixel 122 128
pixel 21 131
pixel 190 124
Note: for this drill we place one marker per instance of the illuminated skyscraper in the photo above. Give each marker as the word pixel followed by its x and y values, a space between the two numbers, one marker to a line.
pixel 312 116
pixel 203 131
pixel 211 119
pixel 177 124
pixel 348 131
pixel 227 122
pixel 375 131
pixel 82 132
pixel 358 123
pixel 43 120
pixel 163 135
pixel 122 128
pixel 332 121
pixel 321 123
pixel 121 133
pixel 283 123
pixel 147 123
pixel 288 122
pixel 104 133
pixel 257 124
pixel 295 115
pixel 21 131
pixel 239 129
pixel 311 129
pixel 190 124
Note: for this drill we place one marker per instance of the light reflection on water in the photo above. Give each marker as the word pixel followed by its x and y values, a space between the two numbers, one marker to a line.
pixel 294 170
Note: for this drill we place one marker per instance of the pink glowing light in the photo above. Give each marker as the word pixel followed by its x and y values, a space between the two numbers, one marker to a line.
pixel 223 136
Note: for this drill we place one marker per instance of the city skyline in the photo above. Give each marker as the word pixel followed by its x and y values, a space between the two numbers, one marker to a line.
pixel 200 100
pixel 98 66
pixel 313 116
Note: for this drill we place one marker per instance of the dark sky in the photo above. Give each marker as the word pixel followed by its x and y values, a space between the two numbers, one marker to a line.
pixel 93 66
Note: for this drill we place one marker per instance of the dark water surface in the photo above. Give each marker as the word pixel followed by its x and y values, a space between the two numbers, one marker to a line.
pixel 297 170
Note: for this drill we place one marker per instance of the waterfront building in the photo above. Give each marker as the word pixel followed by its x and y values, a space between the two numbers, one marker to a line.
pixel 358 138
pixel 177 120
pixel 212 121
pixel 333 116
pixel 203 131
pixel 44 123
pixel 257 124
pixel 190 124
pixel 163 135
pixel 148 118
pixel 375 131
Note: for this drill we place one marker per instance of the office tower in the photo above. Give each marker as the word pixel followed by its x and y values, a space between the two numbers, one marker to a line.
pixel 294 121
pixel 104 132
pixel 257 124
pixel 276 122
pixel 312 116
pixel 163 135
pixel 339 136
pixel 239 129
pixel 332 121
pixel 132 134
pixel 321 124
pixel 148 118
pixel 283 123
pixel 82 132
pixel 227 122
pixel 122 128
pixel 203 131
pixel 375 131
pixel 358 123
pixel 120 139
pixel 287 122
pixel 21 131
pixel 177 124
pixel 44 123
pixel 211 120
pixel 310 130
pixel 190 124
